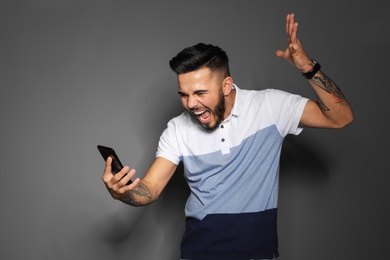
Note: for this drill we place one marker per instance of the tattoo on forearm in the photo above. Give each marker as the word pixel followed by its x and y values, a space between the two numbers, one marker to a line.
pixel 322 106
pixel 326 84
pixel 141 190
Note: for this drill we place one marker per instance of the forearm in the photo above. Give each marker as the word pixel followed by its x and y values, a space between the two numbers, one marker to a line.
pixel 139 196
pixel 331 100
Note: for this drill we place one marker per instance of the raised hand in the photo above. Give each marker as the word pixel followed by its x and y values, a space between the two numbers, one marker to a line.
pixel 294 52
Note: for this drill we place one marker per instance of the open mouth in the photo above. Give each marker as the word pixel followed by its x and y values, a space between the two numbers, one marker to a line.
pixel 203 116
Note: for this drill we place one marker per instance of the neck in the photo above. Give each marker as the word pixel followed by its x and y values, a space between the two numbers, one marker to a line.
pixel 229 103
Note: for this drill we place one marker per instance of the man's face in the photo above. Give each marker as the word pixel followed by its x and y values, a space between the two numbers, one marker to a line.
pixel 201 94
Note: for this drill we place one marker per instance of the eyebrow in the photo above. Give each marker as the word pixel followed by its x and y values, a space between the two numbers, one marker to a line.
pixel 201 91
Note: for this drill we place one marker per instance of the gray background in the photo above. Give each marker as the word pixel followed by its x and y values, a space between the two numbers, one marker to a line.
pixel 75 74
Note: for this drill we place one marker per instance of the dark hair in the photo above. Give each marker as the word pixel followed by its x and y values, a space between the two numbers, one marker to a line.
pixel 199 56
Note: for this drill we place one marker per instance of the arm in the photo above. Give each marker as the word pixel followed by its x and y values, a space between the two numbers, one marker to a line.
pixel 332 109
pixel 140 192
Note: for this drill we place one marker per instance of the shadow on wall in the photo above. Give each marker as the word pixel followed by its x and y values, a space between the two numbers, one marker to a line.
pixel 152 232
pixel 304 159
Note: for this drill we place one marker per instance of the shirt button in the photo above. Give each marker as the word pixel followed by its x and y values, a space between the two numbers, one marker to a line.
pixel 222 126
pixel 223 140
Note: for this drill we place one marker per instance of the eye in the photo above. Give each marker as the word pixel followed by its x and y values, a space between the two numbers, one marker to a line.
pixel 182 95
pixel 200 93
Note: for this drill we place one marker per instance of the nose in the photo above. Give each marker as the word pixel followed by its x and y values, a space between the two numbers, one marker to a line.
pixel 192 102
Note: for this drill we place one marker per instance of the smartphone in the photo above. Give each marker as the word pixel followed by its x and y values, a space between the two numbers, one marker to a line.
pixel 116 164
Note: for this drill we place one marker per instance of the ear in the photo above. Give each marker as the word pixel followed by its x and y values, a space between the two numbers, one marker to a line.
pixel 227 86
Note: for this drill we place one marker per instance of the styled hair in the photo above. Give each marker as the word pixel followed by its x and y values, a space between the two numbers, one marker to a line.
pixel 200 56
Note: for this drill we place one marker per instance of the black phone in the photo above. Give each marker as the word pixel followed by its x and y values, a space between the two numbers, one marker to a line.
pixel 116 164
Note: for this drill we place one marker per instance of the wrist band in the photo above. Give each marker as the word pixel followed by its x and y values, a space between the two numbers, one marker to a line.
pixel 310 74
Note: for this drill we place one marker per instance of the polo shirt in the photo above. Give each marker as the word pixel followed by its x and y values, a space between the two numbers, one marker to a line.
pixel 233 174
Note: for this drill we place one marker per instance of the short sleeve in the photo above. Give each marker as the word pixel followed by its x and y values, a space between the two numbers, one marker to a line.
pixel 286 110
pixel 168 146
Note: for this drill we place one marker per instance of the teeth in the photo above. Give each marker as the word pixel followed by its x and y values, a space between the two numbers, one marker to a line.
pixel 199 113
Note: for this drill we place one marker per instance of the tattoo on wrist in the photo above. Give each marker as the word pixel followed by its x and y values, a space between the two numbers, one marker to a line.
pixel 140 191
pixel 326 84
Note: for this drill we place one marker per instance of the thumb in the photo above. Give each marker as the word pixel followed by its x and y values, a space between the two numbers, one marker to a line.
pixel 107 168
pixel 280 53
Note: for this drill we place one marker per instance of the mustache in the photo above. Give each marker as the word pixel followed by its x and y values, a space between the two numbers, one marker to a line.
pixel 197 108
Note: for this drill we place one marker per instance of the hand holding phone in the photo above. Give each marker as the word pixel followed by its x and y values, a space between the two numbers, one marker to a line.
pixel 116 164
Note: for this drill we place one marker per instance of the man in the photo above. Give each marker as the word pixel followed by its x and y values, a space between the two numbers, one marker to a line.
pixel 229 141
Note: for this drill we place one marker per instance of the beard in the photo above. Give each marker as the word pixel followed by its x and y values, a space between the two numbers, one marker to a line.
pixel 218 113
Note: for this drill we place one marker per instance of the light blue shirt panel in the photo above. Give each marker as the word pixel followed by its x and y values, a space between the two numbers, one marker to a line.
pixel 245 180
